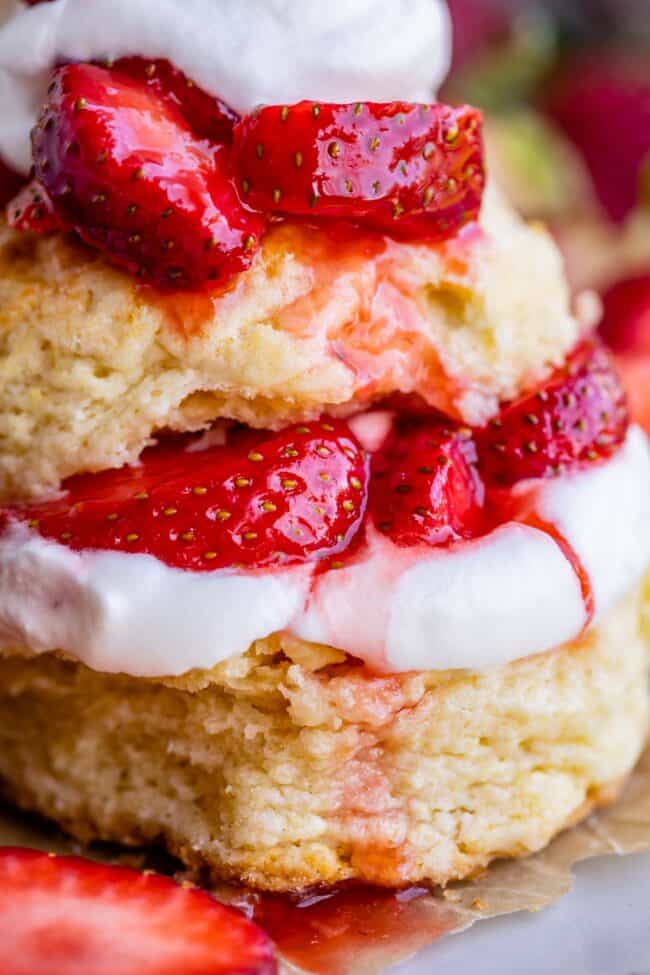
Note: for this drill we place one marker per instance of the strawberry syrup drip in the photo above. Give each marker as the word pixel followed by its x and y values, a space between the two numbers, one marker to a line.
pixel 574 561
pixel 504 506
pixel 326 932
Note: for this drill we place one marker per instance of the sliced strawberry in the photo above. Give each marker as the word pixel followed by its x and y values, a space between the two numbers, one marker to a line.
pixel 208 117
pixel 70 916
pixel 424 484
pixel 263 499
pixel 626 316
pixel 32 210
pixel 10 183
pixel 413 171
pixel 603 104
pixel 123 168
pixel 578 417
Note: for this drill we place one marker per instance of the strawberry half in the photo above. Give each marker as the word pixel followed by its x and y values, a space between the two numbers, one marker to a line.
pixel 70 916
pixel 263 499
pixel 578 417
pixel 123 168
pixel 32 210
pixel 208 117
pixel 412 171
pixel 424 484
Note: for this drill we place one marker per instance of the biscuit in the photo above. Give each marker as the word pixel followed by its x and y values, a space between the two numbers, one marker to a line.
pixel 294 765
pixel 92 364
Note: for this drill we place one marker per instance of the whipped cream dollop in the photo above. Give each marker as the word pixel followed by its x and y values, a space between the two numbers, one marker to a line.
pixel 247 52
pixel 475 604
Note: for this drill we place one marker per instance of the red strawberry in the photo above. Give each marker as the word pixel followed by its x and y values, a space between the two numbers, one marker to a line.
pixel 70 916
pixel 262 499
pixel 626 329
pixel 32 210
pixel 413 171
pixel 424 485
pixel 579 416
pixel 10 183
pixel 477 24
pixel 626 316
pixel 603 104
pixel 123 168
pixel 208 117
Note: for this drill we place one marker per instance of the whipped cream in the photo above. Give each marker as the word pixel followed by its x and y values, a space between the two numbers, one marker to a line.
pixel 248 52
pixel 476 604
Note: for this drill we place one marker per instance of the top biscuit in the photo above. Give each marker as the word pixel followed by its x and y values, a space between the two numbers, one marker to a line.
pixel 92 364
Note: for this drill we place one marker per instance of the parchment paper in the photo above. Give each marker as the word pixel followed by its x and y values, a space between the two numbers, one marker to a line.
pixel 332 938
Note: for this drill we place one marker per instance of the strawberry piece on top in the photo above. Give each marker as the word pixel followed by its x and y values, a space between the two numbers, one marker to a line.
pixel 68 916
pixel 579 416
pixel 424 484
pixel 123 168
pixel 262 499
pixel 407 170
pixel 208 117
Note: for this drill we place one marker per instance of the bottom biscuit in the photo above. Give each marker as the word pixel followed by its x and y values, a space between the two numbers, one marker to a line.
pixel 292 765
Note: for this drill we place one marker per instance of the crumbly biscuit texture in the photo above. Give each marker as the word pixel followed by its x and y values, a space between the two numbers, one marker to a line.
pixel 292 765
pixel 92 364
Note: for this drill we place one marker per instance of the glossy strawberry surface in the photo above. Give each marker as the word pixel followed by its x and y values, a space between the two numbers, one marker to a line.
pixel 262 499
pixel 123 168
pixel 208 117
pixel 411 171
pixel 424 483
pixel 71 916
pixel 579 416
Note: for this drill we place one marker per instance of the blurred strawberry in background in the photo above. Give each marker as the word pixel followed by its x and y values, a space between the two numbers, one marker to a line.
pixel 602 103
pixel 566 89
pixel 625 327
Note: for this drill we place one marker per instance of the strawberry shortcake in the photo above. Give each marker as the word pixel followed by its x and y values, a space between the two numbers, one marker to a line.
pixel 323 523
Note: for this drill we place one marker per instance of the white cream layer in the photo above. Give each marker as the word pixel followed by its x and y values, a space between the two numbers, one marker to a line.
pixel 248 52
pixel 477 604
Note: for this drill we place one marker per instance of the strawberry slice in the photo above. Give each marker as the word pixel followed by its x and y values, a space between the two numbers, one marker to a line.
pixel 70 916
pixel 208 117
pixel 123 168
pixel 262 499
pixel 32 210
pixel 578 417
pixel 411 171
pixel 424 483
pixel 626 316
